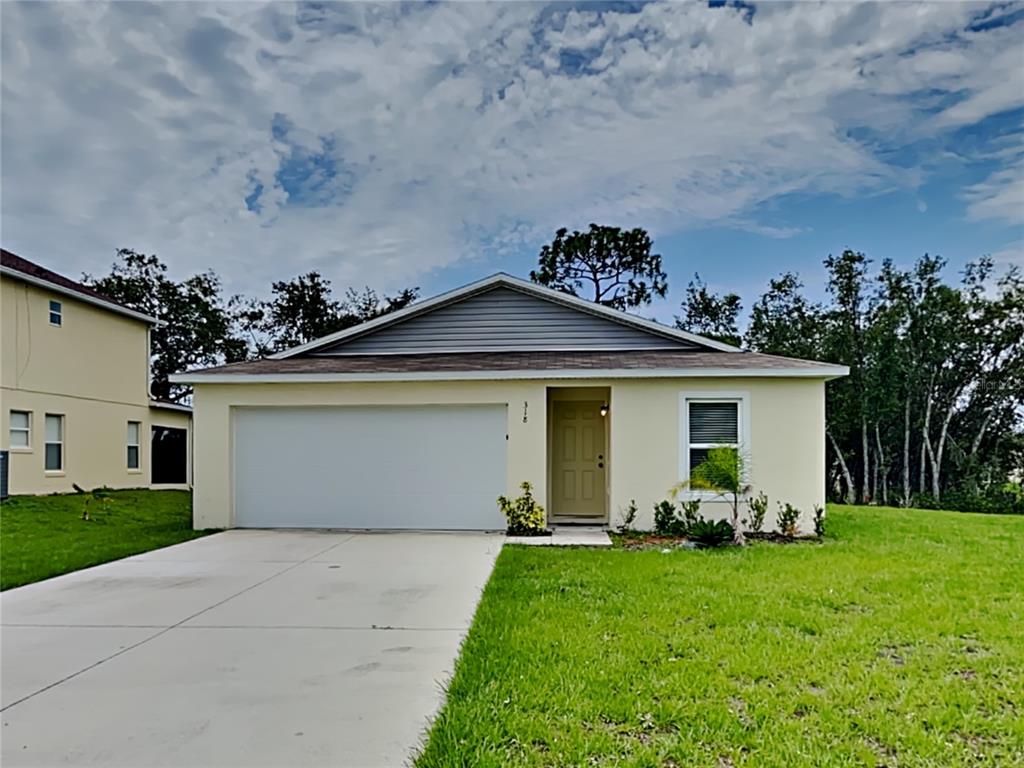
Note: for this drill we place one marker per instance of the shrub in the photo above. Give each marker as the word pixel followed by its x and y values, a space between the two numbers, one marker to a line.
pixel 787 520
pixel 997 501
pixel 758 509
pixel 819 521
pixel 665 521
pixel 524 515
pixel 628 517
pixel 691 515
pixel 708 533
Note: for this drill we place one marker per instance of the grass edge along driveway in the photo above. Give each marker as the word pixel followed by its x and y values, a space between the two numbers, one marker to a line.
pixel 894 642
pixel 45 536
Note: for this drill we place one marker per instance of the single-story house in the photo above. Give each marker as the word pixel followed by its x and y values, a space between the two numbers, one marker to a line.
pixel 420 419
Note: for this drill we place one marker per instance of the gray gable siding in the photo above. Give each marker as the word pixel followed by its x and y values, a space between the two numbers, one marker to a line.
pixel 503 319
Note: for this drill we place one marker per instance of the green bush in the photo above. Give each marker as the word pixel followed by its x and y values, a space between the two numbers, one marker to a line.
pixel 628 517
pixel 787 521
pixel 819 521
pixel 691 515
pixel 524 515
pixel 758 509
pixel 1007 500
pixel 665 521
pixel 711 533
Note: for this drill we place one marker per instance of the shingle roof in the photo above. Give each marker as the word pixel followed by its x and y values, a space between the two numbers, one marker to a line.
pixel 474 362
pixel 38 273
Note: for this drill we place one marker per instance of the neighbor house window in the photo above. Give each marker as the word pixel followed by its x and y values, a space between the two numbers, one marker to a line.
pixel 54 443
pixel 21 429
pixel 56 312
pixel 710 421
pixel 134 428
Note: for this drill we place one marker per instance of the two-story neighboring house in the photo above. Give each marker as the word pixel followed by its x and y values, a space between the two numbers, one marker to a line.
pixel 74 385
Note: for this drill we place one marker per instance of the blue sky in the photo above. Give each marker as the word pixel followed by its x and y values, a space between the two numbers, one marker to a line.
pixel 432 144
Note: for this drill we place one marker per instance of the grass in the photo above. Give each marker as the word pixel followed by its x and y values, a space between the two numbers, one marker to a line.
pixel 44 536
pixel 898 641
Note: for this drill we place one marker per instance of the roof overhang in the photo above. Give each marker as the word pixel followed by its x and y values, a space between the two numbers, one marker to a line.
pixel 170 406
pixel 824 372
pixel 525 286
pixel 96 302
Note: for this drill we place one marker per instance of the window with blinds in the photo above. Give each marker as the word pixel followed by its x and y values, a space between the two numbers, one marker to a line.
pixel 712 424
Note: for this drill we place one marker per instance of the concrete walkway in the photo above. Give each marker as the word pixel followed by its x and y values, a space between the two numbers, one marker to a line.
pixel 566 536
pixel 246 648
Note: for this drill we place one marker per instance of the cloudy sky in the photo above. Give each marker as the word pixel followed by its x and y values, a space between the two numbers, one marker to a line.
pixel 431 144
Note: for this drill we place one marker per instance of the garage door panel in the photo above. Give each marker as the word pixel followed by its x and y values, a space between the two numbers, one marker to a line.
pixel 370 467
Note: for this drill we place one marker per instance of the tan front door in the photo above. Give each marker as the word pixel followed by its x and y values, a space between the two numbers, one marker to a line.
pixel 578 457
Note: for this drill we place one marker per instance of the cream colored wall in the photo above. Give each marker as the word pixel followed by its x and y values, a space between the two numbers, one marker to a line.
pixel 786 443
pixel 95 442
pixel 785 449
pixel 94 354
pixel 93 369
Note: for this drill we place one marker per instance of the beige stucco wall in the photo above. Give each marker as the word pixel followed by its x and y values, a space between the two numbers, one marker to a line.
pixel 786 441
pixel 93 370
pixel 95 353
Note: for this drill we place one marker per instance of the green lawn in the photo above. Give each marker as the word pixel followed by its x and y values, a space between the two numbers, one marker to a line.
pixel 899 641
pixel 44 536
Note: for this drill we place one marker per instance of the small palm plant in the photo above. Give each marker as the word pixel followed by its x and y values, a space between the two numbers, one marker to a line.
pixel 723 473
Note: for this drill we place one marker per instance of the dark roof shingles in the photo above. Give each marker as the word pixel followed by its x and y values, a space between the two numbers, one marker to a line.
pixel 514 361
pixel 31 269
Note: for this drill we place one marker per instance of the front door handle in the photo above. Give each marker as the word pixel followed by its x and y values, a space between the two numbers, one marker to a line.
pixel 600 465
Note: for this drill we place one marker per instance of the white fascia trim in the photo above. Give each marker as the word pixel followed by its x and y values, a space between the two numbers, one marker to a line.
pixel 170 406
pixel 523 285
pixel 38 281
pixel 820 372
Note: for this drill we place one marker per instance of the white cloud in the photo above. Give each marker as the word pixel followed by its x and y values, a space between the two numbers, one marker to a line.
pixel 459 130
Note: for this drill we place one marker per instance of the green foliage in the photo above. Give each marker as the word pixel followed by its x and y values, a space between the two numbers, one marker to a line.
pixel 758 509
pixel 995 501
pixel 304 309
pixel 707 314
pixel 524 515
pixel 711 533
pixel 933 402
pixel 628 517
pixel 665 521
pixel 819 521
pixel 198 326
pixel 787 521
pixel 607 265
pixel 722 473
pixel 691 514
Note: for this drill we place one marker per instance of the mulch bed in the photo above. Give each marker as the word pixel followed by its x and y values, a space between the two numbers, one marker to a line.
pixel 639 541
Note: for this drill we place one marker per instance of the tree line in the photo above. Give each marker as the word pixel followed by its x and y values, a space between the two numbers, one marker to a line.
pixel 931 411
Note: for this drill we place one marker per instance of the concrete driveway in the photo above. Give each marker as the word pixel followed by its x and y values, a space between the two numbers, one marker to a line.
pixel 244 648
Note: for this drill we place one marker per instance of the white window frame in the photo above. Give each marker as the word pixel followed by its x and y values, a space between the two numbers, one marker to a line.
pixel 27 447
pixel 58 312
pixel 136 445
pixel 62 442
pixel 742 400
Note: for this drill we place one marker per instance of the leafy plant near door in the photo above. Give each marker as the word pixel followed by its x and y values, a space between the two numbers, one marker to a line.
pixel 525 517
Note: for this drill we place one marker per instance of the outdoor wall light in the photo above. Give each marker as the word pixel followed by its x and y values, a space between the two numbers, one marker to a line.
pixel 604 409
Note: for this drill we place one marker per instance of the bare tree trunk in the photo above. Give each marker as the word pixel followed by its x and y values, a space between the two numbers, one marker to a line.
pixel 882 468
pixel 976 442
pixel 926 441
pixel 937 456
pixel 906 453
pixel 867 495
pixel 850 490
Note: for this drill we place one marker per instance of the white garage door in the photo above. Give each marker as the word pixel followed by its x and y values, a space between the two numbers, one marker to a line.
pixel 433 467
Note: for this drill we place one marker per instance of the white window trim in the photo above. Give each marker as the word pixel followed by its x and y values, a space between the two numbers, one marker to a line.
pixel 27 448
pixel 59 312
pixel 138 447
pixel 742 397
pixel 62 442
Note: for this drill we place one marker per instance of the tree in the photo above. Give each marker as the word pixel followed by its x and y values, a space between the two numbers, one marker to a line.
pixel 724 473
pixel 303 309
pixel 197 325
pixel 708 314
pixel 784 322
pixel 607 265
